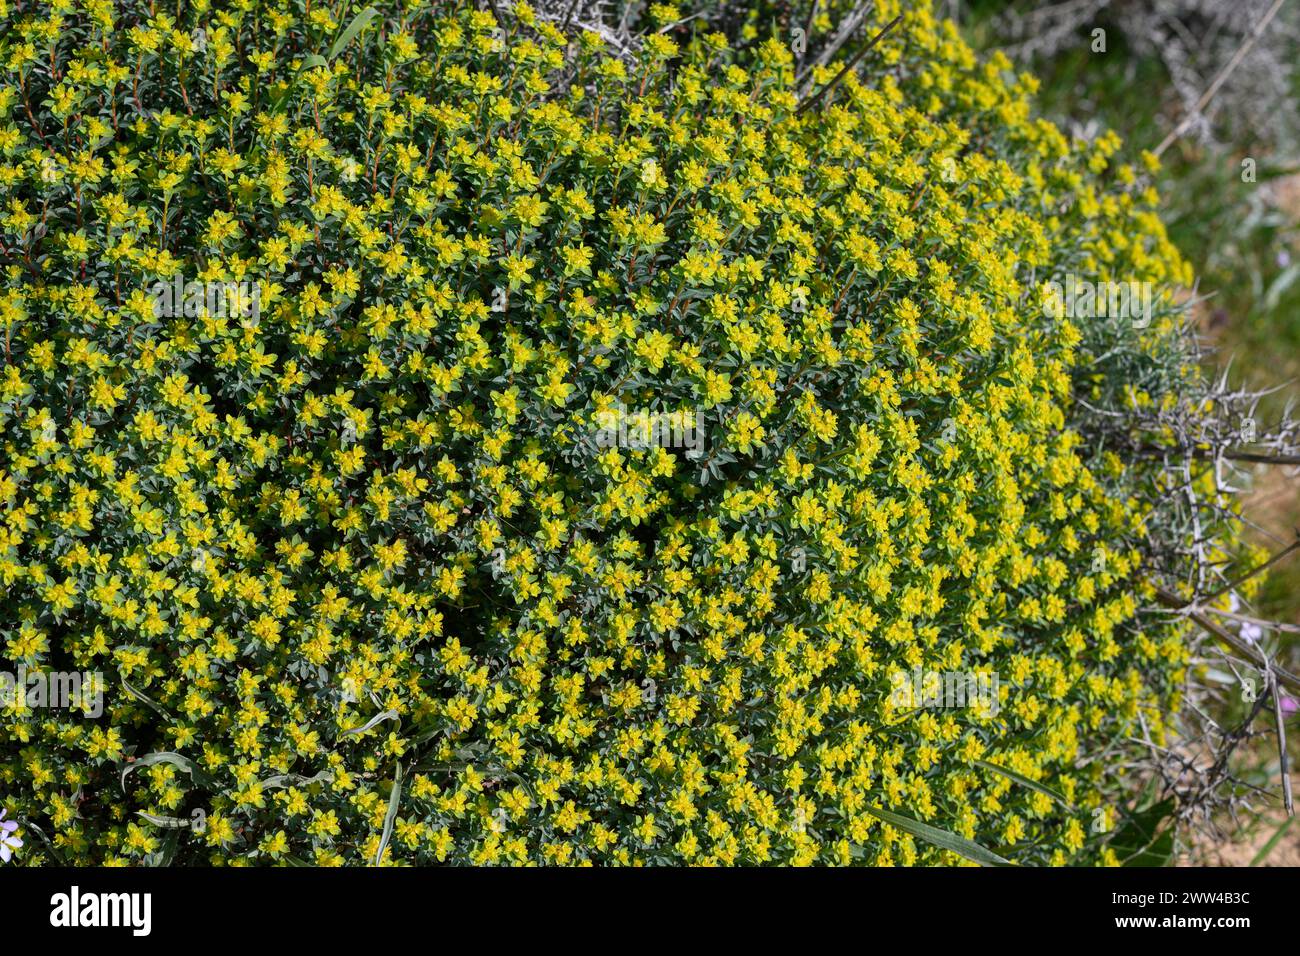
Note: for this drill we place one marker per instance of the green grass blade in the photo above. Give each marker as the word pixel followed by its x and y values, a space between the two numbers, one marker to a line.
pixel 166 823
pixel 356 26
pixel 145 699
pixel 940 838
pixel 377 719
pixel 1268 847
pixel 390 816
pixel 197 774
pixel 1026 782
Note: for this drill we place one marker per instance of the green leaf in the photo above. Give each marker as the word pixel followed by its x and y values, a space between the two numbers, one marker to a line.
pixel 312 62
pixel 1159 852
pixel 1025 781
pixel 1139 842
pixel 941 838
pixel 389 817
pixel 356 26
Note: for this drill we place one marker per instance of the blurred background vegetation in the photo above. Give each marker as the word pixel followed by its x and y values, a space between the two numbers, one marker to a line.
pixel 1231 188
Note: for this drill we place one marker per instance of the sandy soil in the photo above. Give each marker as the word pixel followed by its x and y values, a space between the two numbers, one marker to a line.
pixel 1286 853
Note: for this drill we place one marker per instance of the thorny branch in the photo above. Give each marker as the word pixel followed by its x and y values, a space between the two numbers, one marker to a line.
pixel 1201 440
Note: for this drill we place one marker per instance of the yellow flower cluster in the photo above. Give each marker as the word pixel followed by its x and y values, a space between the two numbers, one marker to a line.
pixel 363 579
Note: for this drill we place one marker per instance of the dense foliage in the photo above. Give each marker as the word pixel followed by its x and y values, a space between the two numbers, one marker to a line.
pixel 361 574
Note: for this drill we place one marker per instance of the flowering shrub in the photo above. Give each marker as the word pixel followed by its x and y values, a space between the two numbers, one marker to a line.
pixel 366 573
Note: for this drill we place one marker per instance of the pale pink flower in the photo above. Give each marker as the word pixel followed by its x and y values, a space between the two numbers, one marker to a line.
pixel 8 842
